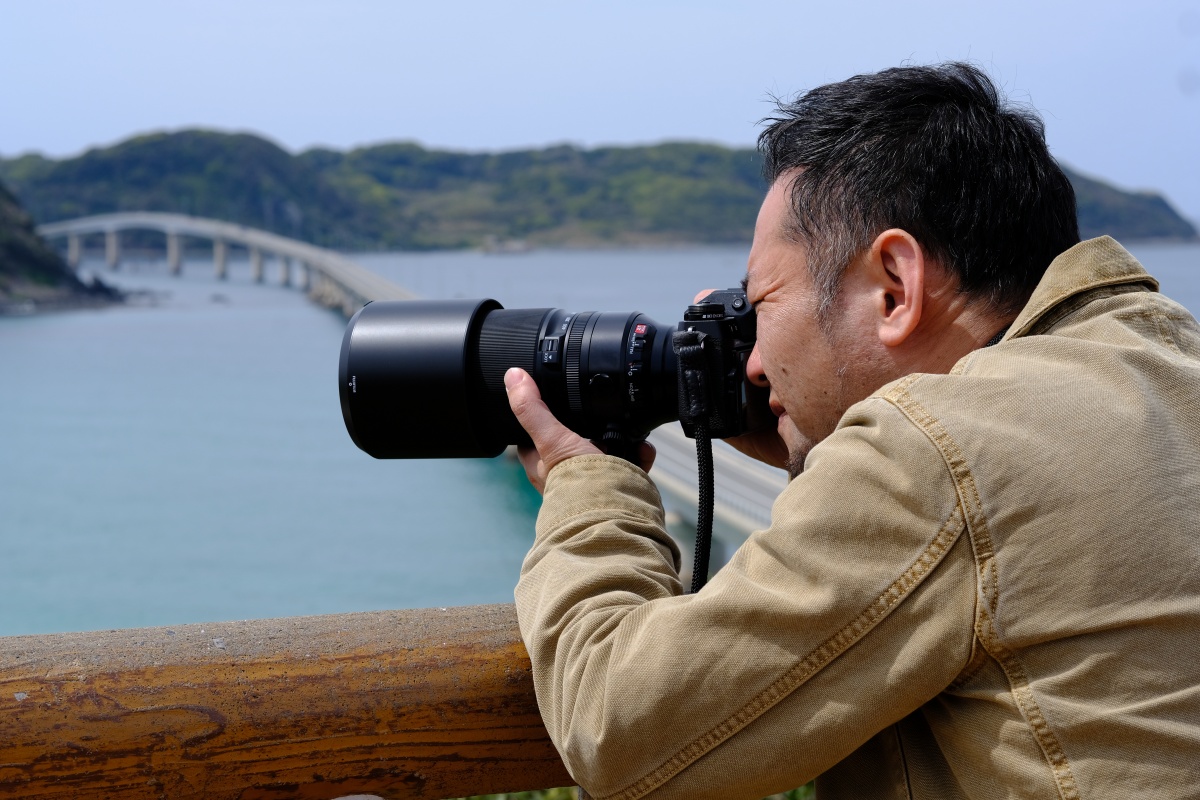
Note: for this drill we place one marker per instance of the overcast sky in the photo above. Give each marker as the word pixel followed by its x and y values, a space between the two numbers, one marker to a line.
pixel 1117 82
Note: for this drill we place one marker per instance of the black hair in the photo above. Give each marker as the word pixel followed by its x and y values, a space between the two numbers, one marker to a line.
pixel 937 152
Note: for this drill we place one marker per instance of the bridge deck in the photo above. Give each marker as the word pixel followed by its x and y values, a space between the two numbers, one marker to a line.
pixel 353 285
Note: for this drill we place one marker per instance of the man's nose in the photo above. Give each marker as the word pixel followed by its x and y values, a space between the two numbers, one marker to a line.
pixel 754 370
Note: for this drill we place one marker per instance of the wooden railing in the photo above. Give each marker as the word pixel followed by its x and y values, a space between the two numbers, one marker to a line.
pixel 431 703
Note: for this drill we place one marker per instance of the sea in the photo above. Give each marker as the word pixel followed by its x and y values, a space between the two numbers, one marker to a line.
pixel 183 458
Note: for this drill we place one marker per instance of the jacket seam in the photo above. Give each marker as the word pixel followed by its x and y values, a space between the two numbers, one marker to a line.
pixel 1142 282
pixel 964 482
pixel 1069 307
pixel 968 491
pixel 1164 328
pixel 1022 692
pixel 797 675
pixel 978 659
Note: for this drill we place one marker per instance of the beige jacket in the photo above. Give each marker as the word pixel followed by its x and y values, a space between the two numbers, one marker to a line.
pixel 984 584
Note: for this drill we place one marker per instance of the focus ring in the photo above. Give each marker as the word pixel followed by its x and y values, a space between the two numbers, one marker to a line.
pixel 574 351
pixel 507 338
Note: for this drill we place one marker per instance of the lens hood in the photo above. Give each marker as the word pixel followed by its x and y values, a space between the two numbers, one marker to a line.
pixel 405 381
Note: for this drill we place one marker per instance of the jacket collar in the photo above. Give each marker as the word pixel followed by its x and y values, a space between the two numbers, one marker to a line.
pixel 1087 266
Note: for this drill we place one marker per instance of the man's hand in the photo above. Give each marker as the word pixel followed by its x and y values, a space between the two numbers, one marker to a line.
pixel 553 442
pixel 767 445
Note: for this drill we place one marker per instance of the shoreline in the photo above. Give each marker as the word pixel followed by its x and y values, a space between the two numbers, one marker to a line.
pixel 33 299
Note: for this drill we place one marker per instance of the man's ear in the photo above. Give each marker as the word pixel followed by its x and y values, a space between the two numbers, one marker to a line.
pixel 896 264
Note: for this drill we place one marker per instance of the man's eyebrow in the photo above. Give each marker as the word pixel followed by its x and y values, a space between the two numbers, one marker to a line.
pixel 746 282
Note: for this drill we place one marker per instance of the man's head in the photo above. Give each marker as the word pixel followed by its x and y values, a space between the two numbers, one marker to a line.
pixel 933 151
pixel 910 215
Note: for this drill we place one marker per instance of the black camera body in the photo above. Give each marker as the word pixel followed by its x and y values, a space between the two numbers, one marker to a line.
pixel 713 388
pixel 425 379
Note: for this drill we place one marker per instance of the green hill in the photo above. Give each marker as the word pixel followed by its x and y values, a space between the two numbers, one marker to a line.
pixel 1126 215
pixel 32 274
pixel 233 177
pixel 404 196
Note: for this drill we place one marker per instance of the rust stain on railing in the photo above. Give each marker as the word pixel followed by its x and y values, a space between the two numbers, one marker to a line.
pixel 430 703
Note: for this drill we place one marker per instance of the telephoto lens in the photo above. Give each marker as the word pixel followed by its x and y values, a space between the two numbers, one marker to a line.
pixel 425 379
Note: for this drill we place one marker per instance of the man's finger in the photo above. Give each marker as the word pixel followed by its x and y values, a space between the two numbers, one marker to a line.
pixel 553 440
pixel 646 454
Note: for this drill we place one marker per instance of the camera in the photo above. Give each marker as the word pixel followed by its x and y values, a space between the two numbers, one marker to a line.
pixel 425 379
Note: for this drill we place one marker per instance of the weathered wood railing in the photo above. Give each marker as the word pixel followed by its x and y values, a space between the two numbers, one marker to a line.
pixel 431 703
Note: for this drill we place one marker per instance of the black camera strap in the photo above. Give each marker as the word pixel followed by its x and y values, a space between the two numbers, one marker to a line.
pixel 694 410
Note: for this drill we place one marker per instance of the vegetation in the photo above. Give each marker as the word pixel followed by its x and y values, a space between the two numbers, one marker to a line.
pixel 1126 215
pixel 32 274
pixel 404 196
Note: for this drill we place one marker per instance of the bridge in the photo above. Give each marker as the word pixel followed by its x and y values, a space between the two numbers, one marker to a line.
pixel 330 278
pixel 745 489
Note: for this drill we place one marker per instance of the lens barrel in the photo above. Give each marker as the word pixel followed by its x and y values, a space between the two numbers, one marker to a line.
pixel 425 379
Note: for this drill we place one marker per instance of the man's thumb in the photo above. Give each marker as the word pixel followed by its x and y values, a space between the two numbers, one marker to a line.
pixel 553 440
pixel 526 402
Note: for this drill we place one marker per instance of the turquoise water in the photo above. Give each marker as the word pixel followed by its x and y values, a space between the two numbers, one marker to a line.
pixel 184 459
pixel 188 462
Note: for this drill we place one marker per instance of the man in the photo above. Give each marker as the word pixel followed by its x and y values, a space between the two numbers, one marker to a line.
pixel 984 577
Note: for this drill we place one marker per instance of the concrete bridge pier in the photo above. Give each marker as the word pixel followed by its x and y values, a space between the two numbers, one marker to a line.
pixel 74 250
pixel 174 254
pixel 112 249
pixel 285 270
pixel 305 276
pixel 220 259
pixel 256 264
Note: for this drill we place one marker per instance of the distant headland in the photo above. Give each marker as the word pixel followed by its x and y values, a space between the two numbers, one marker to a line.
pixel 403 196
pixel 33 276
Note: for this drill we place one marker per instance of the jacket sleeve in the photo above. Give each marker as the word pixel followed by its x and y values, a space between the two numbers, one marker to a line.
pixel 853 609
